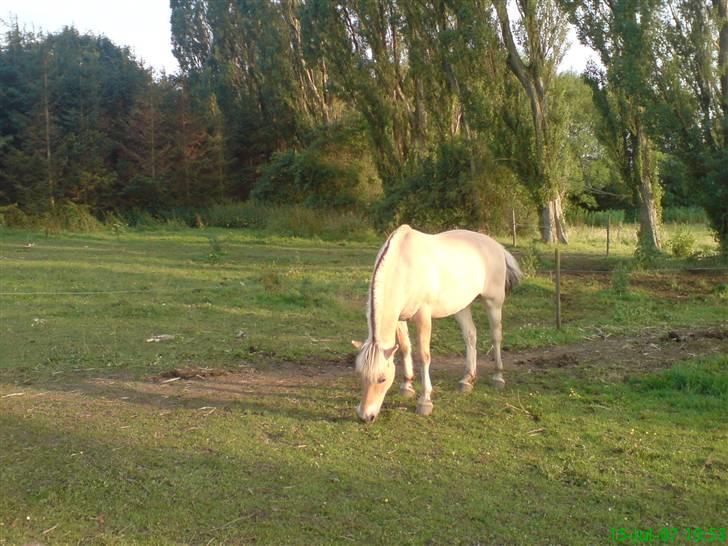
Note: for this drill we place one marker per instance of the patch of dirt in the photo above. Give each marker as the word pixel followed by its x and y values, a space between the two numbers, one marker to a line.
pixel 678 285
pixel 552 361
pixel 603 356
pixel 190 373
pixel 257 387
pixel 654 349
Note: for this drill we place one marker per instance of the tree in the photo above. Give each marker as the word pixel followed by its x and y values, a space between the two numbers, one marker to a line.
pixel 691 92
pixel 622 32
pixel 544 34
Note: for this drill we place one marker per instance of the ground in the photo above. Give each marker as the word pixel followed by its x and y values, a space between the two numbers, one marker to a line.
pixel 197 387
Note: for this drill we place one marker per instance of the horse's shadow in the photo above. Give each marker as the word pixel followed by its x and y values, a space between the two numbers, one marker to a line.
pixel 297 401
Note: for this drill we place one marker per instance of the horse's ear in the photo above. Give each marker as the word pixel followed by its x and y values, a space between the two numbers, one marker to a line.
pixel 357 344
pixel 389 353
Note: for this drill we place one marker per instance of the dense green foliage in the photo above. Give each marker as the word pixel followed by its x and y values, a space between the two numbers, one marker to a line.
pixel 446 114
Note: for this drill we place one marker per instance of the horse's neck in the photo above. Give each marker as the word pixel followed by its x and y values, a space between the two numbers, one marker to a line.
pixel 384 297
pixel 384 327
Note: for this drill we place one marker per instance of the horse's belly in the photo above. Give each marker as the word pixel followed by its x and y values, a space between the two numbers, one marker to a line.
pixel 449 308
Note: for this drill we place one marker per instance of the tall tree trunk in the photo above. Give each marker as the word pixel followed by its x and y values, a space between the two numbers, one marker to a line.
pixel 153 144
pixel 46 111
pixel 553 223
pixel 649 192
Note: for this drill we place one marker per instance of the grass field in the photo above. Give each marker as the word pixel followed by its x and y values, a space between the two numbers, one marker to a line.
pixel 620 419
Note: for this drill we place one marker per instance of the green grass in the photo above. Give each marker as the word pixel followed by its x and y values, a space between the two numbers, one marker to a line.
pixel 92 451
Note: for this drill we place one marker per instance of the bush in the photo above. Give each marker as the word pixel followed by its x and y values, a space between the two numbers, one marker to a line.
pixel 446 190
pixel 69 216
pixel 335 171
pixel 237 215
pixel 277 182
pixel 13 216
pixel 681 244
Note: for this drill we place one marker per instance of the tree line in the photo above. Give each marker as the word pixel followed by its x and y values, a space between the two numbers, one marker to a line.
pixel 440 113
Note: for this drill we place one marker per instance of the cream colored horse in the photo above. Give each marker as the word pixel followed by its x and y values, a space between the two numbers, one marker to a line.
pixel 420 277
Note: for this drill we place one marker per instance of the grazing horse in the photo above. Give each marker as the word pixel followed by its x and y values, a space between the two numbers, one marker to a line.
pixel 420 277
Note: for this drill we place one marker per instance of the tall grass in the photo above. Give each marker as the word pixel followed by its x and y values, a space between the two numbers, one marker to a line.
pixel 286 220
pixel 670 215
pixel 289 220
pixel 65 216
pixel 684 215
pixel 595 218
pixel 706 376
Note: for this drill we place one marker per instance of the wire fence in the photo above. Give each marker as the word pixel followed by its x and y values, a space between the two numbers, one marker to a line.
pixel 539 272
pixel 127 291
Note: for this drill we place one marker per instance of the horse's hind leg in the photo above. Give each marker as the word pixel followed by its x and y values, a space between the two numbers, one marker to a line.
pixel 465 320
pixel 406 389
pixel 423 319
pixel 494 308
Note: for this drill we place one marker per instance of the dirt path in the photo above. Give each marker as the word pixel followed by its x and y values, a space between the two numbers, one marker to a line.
pixel 606 357
pixel 602 358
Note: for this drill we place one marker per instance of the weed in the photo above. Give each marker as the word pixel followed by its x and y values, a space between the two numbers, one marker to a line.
pixel 530 261
pixel 681 244
pixel 645 258
pixel 620 279
pixel 216 252
pixel 721 290
pixel 270 279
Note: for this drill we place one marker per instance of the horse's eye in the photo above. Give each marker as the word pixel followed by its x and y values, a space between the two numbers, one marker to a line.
pixel 382 379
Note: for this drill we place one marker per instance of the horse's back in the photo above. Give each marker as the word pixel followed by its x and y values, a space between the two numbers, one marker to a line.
pixel 449 269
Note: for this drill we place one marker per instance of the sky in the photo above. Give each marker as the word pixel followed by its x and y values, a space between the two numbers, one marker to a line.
pixel 147 35
pixel 143 25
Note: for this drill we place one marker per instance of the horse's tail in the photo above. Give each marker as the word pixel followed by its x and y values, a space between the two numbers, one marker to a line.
pixel 513 272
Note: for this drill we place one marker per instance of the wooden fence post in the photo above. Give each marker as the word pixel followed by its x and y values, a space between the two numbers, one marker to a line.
pixel 609 230
pixel 513 225
pixel 558 288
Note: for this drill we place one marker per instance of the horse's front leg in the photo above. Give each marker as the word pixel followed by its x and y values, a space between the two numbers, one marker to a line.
pixel 406 389
pixel 423 319
pixel 465 320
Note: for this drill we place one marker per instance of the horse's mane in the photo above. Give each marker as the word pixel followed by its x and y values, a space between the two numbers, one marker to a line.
pixel 366 362
pixel 377 282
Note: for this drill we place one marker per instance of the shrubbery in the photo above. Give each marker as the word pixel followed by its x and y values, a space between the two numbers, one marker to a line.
pixel 335 171
pixel 681 244
pixel 453 187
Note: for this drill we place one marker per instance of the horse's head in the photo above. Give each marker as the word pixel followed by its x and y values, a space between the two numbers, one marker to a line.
pixel 376 368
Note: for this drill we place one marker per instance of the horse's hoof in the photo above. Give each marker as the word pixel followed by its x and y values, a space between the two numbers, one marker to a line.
pixel 498 383
pixel 407 391
pixel 424 407
pixel 466 387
